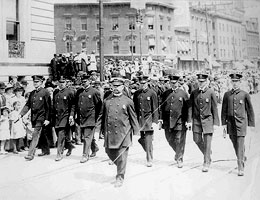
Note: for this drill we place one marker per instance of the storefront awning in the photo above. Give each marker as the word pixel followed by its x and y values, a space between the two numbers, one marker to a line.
pixel 247 63
pixel 215 64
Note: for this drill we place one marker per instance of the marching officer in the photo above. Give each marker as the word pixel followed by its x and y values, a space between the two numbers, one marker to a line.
pixel 237 113
pixel 40 104
pixel 88 105
pixel 118 122
pixel 146 107
pixel 63 113
pixel 204 117
pixel 174 113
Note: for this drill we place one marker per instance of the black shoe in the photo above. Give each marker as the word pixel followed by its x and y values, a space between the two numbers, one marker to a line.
pixel 28 157
pixel 93 154
pixel 69 152
pixel 43 154
pixel 240 173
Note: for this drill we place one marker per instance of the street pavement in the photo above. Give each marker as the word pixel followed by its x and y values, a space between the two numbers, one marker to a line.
pixel 45 179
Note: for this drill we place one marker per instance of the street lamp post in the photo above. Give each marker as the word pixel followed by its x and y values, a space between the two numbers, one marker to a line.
pixel 139 23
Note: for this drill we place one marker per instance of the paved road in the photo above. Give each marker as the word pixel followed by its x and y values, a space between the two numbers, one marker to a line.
pixel 43 178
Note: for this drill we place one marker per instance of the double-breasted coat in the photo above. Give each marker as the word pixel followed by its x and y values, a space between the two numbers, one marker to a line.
pixel 40 104
pixel 118 121
pixel 146 107
pixel 88 105
pixel 175 109
pixel 237 112
pixel 204 110
pixel 63 107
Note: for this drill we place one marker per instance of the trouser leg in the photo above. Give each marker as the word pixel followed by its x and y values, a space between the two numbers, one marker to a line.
pixel 180 138
pixel 121 160
pixel 44 141
pixel 35 139
pixel 197 138
pixel 207 148
pixel 68 135
pixel 141 140
pixel 61 141
pixel 77 133
pixel 88 134
pixel 170 138
pixel 239 146
pixel 94 146
pixel 149 145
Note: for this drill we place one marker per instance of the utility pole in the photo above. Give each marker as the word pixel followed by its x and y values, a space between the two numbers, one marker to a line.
pixel 197 48
pixel 139 23
pixel 132 53
pixel 207 29
pixel 101 40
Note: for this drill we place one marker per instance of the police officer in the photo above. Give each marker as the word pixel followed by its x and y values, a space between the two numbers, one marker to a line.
pixel 175 107
pixel 204 117
pixel 237 113
pixel 118 122
pixel 88 105
pixel 63 113
pixel 40 104
pixel 146 106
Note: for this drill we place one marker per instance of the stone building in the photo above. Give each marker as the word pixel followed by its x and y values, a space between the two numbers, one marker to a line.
pixel 77 28
pixel 26 37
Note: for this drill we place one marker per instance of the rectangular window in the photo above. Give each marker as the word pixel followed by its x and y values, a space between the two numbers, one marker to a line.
pixel 169 24
pixel 83 21
pixel 97 45
pixel 161 24
pixel 150 22
pixel 131 23
pixel 12 23
pixel 115 25
pixel 68 46
pixel 97 23
pixel 83 45
pixel 132 47
pixel 68 23
pixel 213 25
pixel 116 47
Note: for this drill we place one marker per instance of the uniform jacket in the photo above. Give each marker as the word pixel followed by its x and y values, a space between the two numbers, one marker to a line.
pixel 40 104
pixel 146 107
pixel 88 105
pixel 175 109
pixel 204 110
pixel 118 121
pixel 237 112
pixel 63 107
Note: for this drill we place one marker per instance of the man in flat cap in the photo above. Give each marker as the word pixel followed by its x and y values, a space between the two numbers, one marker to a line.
pixel 40 104
pixel 175 115
pixel 63 117
pixel 204 117
pixel 88 105
pixel 146 107
pixel 237 113
pixel 118 121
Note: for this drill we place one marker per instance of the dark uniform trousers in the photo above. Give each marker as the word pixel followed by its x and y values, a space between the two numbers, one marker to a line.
pixel 203 141
pixel 64 140
pixel 119 156
pixel 146 142
pixel 35 139
pixel 44 141
pixel 177 140
pixel 239 146
pixel 88 134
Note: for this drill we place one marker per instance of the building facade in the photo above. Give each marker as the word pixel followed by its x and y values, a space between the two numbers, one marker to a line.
pixel 26 37
pixel 77 28
pixel 252 37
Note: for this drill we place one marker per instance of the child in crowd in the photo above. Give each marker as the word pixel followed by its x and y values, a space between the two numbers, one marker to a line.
pixel 4 129
pixel 17 127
